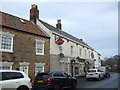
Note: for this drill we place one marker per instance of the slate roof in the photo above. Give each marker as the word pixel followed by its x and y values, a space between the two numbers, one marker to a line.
pixel 20 24
pixel 61 32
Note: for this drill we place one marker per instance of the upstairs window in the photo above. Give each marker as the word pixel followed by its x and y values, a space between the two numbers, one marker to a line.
pixel 80 51
pixel 71 50
pixel 39 47
pixel 6 42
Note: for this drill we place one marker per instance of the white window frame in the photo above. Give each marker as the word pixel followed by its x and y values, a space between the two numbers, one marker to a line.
pixel 40 41
pixel 72 48
pixel 9 35
pixel 6 65
pixel 80 52
pixel 38 66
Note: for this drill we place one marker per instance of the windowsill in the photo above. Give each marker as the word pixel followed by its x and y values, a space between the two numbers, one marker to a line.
pixel 6 51
pixel 40 54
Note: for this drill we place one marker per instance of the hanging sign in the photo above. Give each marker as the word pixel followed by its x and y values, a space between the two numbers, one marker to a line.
pixel 59 41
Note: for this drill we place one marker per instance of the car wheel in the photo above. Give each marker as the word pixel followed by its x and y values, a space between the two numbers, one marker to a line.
pixel 74 84
pixel 57 87
pixel 22 88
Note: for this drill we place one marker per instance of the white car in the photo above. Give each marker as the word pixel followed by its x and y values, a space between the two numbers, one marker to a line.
pixel 94 74
pixel 14 80
pixel 105 71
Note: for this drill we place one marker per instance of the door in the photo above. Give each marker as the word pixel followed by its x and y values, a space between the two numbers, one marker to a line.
pixel 24 68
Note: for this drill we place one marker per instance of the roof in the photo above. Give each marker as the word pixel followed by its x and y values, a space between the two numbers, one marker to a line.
pixel 20 24
pixel 52 28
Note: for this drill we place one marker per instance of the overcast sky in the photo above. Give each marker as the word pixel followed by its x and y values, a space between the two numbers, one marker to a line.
pixel 94 22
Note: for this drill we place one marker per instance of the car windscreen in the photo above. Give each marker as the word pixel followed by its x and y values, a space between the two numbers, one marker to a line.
pixel 42 76
pixel 91 70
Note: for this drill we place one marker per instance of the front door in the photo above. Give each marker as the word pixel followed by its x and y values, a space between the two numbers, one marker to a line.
pixel 24 68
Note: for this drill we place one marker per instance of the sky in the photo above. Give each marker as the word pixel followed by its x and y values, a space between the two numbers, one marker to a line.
pixel 94 22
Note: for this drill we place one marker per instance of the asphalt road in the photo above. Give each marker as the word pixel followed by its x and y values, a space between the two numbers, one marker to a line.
pixel 111 82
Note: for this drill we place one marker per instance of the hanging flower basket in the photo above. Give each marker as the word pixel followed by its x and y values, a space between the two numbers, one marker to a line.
pixel 59 42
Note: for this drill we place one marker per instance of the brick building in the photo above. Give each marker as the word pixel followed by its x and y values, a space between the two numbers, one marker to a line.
pixel 23 45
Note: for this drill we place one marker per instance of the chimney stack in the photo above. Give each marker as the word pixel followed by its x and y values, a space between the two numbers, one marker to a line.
pixel 34 13
pixel 81 39
pixel 59 25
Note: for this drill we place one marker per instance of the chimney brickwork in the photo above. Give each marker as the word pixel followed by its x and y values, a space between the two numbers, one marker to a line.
pixel 34 13
pixel 59 25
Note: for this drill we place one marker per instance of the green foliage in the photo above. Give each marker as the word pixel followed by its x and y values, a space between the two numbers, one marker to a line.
pixel 113 63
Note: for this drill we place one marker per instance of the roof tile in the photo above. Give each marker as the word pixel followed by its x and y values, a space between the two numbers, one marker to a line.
pixel 16 23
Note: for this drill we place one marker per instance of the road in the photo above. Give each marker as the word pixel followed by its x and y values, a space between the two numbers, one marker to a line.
pixel 111 82
pixel 105 84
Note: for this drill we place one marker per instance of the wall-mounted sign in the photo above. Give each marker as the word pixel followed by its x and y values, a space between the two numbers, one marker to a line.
pixel 59 41
pixel 61 55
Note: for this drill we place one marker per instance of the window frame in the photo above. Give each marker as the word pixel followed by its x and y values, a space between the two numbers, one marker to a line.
pixel 7 35
pixel 72 48
pixel 43 43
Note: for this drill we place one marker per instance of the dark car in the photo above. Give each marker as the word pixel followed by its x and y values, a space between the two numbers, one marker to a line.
pixel 54 80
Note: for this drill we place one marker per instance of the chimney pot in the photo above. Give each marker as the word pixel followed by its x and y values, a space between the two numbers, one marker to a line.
pixel 59 21
pixel 34 6
pixel 81 39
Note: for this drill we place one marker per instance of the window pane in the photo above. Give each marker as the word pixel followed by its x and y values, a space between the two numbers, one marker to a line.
pixel 6 43
pixel 39 47
pixel 19 75
pixel 8 75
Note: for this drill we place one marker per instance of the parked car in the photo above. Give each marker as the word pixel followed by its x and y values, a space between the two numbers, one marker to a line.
pixel 14 80
pixel 54 80
pixel 94 74
pixel 105 71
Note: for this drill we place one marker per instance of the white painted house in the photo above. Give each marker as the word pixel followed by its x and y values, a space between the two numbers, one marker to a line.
pixel 67 53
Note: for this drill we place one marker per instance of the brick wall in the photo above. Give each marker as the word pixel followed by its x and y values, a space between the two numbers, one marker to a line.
pixel 24 50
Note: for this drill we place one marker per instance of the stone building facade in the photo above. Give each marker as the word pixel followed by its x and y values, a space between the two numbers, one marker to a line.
pixel 67 53
pixel 23 46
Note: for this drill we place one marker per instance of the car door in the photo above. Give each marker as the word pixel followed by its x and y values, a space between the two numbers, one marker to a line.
pixel 68 80
pixel 9 80
pixel 60 79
